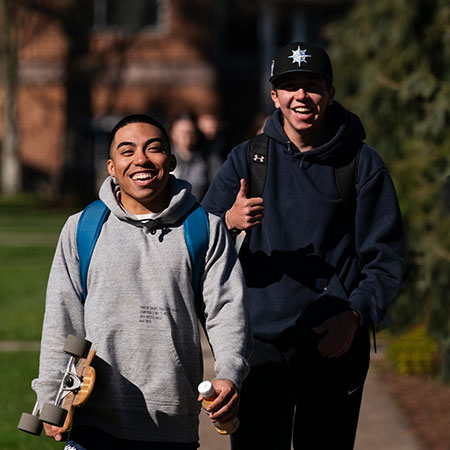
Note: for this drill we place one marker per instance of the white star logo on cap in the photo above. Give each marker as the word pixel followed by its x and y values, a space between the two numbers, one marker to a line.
pixel 299 56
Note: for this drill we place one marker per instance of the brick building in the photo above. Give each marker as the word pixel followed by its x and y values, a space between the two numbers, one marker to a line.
pixel 84 63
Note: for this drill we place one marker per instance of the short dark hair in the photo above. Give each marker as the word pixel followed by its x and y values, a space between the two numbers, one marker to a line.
pixel 138 118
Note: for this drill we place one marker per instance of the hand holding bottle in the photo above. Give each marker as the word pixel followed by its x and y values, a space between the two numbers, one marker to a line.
pixel 220 399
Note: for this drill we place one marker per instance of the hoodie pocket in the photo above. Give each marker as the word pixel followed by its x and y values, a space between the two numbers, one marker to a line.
pixel 335 288
pixel 142 368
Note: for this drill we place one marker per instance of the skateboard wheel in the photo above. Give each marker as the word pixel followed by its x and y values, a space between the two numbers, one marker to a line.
pixel 54 415
pixel 30 424
pixel 77 347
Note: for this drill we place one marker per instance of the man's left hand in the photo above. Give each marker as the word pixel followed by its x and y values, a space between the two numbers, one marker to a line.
pixel 339 332
pixel 224 408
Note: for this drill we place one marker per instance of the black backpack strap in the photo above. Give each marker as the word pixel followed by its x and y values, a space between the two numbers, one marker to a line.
pixel 257 163
pixel 345 172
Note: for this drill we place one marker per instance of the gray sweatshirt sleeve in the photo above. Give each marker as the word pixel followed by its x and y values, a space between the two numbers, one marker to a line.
pixel 64 313
pixel 227 318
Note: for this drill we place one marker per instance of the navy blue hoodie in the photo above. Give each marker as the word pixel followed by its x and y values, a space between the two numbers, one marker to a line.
pixel 307 247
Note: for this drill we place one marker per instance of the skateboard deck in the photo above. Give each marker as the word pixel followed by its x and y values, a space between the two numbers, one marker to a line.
pixel 75 388
pixel 76 399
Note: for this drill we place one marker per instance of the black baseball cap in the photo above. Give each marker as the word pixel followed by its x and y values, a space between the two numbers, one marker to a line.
pixel 301 57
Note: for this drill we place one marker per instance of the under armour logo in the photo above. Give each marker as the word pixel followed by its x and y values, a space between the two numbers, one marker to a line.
pixel 258 158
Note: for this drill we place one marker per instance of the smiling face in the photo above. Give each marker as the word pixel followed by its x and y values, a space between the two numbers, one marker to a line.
pixel 303 99
pixel 140 160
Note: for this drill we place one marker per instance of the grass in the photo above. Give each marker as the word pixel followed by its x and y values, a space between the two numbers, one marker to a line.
pixel 29 232
pixel 16 396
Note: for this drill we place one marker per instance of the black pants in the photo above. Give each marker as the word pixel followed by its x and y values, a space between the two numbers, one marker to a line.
pixel 295 393
pixel 90 438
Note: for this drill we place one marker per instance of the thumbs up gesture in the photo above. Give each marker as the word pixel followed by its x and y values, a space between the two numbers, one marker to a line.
pixel 246 213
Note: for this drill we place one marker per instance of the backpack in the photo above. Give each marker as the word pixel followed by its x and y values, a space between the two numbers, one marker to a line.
pixel 196 233
pixel 345 171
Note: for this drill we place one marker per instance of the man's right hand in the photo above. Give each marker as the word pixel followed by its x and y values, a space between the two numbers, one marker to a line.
pixel 246 213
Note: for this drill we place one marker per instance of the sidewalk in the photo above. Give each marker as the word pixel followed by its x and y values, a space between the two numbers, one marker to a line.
pixel 381 424
pixel 209 438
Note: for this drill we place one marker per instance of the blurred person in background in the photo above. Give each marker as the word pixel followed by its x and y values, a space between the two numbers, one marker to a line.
pixel 258 124
pixel 321 269
pixel 215 135
pixel 195 163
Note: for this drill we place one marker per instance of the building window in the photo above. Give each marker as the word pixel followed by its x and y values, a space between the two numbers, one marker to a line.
pixel 128 16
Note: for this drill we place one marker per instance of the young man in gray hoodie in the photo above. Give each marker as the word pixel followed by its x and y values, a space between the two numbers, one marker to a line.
pixel 147 370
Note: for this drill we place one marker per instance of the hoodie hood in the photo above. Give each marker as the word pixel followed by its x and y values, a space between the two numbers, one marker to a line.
pixel 348 132
pixel 181 201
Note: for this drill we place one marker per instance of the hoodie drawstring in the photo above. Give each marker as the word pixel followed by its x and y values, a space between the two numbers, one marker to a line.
pixel 291 152
pixel 153 225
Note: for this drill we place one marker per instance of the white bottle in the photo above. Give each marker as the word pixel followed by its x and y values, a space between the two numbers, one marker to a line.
pixel 206 390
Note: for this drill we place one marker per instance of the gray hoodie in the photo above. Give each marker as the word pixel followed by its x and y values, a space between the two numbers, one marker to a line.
pixel 140 315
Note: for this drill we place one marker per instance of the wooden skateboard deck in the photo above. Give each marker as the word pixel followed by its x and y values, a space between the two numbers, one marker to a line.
pixel 87 373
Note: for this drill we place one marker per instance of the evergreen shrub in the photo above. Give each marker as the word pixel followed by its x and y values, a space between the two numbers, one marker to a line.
pixel 414 352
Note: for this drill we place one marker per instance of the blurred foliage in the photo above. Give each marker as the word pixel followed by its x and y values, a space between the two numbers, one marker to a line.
pixel 392 64
pixel 414 352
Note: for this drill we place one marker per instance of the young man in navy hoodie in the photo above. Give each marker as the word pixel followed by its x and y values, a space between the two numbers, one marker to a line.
pixel 320 274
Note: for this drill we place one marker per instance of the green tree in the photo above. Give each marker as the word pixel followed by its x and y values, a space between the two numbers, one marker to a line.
pixel 392 64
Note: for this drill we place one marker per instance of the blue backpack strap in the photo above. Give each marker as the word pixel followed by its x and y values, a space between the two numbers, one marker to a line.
pixel 89 226
pixel 196 233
